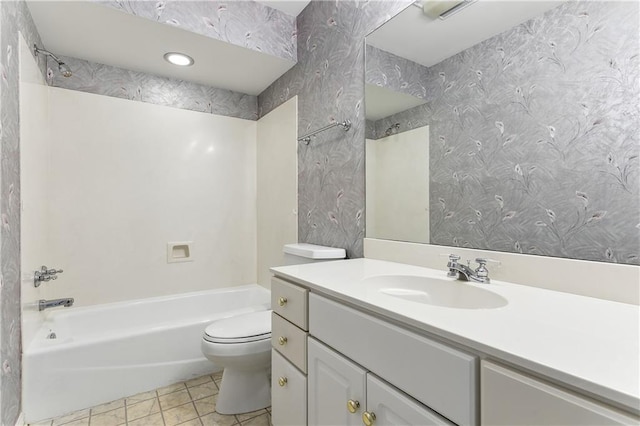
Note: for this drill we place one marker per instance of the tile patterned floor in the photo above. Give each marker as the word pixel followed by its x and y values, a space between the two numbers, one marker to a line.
pixel 191 403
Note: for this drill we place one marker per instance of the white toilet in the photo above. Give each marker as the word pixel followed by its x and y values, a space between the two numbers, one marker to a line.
pixel 242 345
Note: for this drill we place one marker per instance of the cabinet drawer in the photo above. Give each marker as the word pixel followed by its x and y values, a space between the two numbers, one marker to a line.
pixel 511 398
pixel 289 401
pixel 437 375
pixel 290 341
pixel 290 301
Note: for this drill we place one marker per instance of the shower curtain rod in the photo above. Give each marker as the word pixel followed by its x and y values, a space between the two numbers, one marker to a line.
pixel 345 125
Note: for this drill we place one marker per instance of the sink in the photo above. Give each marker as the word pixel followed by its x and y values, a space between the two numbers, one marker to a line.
pixel 435 291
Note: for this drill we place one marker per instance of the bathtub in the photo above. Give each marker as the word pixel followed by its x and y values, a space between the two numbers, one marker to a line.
pixel 105 352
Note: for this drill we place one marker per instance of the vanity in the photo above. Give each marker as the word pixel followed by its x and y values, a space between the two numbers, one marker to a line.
pixel 365 341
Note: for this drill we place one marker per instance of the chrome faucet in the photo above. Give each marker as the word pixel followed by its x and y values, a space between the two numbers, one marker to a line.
pixel 465 273
pixel 45 304
pixel 45 274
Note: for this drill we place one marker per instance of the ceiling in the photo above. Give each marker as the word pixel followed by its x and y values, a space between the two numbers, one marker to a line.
pixel 90 31
pixel 414 36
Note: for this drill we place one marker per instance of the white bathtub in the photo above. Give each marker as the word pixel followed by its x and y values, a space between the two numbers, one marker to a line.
pixel 106 352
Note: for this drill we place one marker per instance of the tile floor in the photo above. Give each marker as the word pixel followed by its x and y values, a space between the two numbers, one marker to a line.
pixel 191 403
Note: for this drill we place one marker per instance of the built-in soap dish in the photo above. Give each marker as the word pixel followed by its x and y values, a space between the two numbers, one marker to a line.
pixel 181 251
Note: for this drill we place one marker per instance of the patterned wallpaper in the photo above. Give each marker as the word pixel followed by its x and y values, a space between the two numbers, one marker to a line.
pixel 121 83
pixel 243 23
pixel 328 80
pixel 14 17
pixel 535 137
pixel 385 69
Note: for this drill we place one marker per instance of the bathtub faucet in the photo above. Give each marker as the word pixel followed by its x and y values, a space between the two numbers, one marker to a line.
pixel 44 304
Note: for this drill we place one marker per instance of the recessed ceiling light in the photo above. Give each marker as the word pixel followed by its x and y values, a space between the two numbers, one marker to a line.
pixel 179 59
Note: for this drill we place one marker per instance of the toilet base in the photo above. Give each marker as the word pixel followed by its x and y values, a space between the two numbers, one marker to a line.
pixel 243 391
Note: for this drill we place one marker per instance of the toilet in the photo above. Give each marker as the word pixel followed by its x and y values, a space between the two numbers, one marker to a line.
pixel 242 344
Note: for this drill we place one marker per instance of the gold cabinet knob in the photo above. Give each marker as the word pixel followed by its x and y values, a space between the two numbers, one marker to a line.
pixel 282 340
pixel 368 418
pixel 282 301
pixel 353 406
pixel 282 381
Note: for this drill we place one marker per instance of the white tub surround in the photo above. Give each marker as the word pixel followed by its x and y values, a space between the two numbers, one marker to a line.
pixel 587 345
pixel 126 178
pixel 611 281
pixel 277 186
pixel 105 352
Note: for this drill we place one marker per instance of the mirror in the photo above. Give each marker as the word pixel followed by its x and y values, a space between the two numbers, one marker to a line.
pixel 526 127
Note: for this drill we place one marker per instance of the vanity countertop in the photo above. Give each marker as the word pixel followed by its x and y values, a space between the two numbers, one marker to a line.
pixel 588 343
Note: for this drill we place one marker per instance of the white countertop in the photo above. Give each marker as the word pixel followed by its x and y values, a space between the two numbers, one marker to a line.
pixel 590 344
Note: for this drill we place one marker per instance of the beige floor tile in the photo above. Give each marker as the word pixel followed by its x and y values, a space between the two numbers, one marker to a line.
pixel 215 419
pixel 201 391
pixel 80 422
pixel 42 423
pixel 140 397
pixel 171 388
pixel 199 381
pixel 194 422
pixel 262 420
pixel 174 399
pixel 217 378
pixel 152 420
pixel 71 417
pixel 206 405
pixel 247 416
pixel 179 414
pixel 107 407
pixel 143 409
pixel 109 418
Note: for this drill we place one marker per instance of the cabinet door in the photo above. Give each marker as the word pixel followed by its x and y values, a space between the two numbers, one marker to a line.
pixel 392 407
pixel 288 393
pixel 333 382
pixel 510 398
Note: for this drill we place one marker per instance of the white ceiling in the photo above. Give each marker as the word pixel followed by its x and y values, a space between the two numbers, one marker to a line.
pixel 414 36
pixel 290 7
pixel 383 102
pixel 90 31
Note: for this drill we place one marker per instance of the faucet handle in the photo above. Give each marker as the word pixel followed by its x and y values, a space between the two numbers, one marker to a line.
pixel 454 257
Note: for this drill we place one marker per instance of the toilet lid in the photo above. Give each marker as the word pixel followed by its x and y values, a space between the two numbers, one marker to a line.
pixel 241 328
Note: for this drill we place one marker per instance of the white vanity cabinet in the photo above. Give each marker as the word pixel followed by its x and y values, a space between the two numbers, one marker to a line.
pixel 351 366
pixel 337 388
pixel 289 325
pixel 343 393
pixel 439 376
pixel 510 398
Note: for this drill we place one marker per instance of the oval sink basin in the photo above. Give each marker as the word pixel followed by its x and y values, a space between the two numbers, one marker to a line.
pixel 437 292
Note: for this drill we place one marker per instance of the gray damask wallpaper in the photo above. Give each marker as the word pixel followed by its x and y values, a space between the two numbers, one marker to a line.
pixel 328 80
pixel 385 69
pixel 243 23
pixel 535 137
pixel 14 17
pixel 121 83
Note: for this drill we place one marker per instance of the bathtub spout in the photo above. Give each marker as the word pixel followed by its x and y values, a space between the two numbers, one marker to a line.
pixel 44 304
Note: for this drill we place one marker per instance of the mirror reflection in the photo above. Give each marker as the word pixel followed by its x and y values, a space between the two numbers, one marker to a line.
pixel 529 111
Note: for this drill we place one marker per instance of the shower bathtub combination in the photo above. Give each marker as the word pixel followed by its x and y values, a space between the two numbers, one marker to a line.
pixel 105 352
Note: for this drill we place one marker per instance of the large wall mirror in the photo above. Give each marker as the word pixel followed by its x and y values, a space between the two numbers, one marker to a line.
pixel 508 126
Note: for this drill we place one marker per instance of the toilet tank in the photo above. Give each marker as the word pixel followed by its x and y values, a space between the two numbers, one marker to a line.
pixel 296 254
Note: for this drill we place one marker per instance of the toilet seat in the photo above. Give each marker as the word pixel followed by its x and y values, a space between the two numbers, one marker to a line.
pixel 246 328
